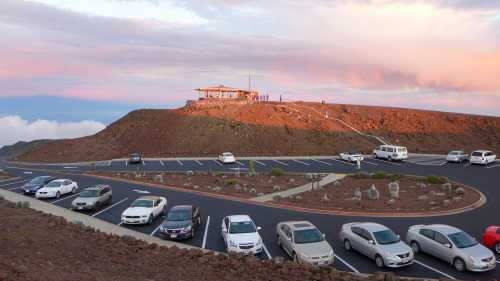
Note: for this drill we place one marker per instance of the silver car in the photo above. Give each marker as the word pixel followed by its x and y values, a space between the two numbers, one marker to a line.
pixel 376 242
pixel 457 156
pixel 93 198
pixel 452 245
pixel 304 243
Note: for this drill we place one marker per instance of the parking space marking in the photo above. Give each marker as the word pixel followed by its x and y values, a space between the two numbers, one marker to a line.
pixel 435 270
pixel 258 162
pixel 239 163
pixel 154 231
pixel 204 243
pixel 67 197
pixel 109 207
pixel 347 264
pixel 198 162
pixel 161 163
pixel 180 162
pixel 218 163
pixel 300 162
pixel 120 223
pixel 368 162
pixel 126 163
pixel 341 161
pixel 322 162
pixel 143 163
pixel 282 163
pixel 109 163
pixel 267 252
pixel 494 166
pixel 11 183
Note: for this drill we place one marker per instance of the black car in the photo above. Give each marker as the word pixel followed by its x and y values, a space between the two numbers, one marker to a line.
pixel 181 222
pixel 35 184
pixel 135 158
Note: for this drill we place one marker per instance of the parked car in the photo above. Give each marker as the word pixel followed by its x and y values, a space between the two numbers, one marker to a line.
pixel 391 152
pixel 56 188
pixel 377 242
pixel 457 156
pixel 491 238
pixel 35 184
pixel 144 210
pixel 92 198
pixel 227 158
pixel 351 156
pixel 241 235
pixel 135 158
pixel 483 157
pixel 181 222
pixel 304 243
pixel 451 245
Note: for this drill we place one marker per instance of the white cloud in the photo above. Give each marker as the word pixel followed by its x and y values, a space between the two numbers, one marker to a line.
pixel 16 129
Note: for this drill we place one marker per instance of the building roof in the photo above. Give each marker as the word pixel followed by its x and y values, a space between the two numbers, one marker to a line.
pixel 222 88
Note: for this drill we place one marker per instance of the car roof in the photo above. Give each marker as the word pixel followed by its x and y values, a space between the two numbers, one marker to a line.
pixel 59 180
pixel 182 207
pixel 460 151
pixel 227 153
pixel 371 226
pixel 298 225
pixel 97 187
pixel 239 218
pixel 443 228
pixel 481 150
pixel 389 145
pixel 152 198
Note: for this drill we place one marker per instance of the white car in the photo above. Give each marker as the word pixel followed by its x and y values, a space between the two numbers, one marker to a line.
pixel 227 158
pixel 351 156
pixel 483 157
pixel 391 152
pixel 457 156
pixel 144 210
pixel 241 235
pixel 56 188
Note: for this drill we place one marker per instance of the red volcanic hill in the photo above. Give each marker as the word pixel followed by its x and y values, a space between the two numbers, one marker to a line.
pixel 208 128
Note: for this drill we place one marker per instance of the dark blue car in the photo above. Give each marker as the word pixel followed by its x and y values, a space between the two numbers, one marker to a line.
pixel 35 184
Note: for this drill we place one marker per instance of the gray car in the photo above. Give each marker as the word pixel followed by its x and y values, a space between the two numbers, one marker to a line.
pixel 376 242
pixel 302 241
pixel 92 198
pixel 451 245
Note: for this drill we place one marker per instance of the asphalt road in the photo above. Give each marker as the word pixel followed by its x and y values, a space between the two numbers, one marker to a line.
pixel 486 179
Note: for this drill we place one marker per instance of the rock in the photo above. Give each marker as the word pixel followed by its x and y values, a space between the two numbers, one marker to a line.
pixel 217 188
pixel 298 197
pixel 394 189
pixel 337 183
pixel 325 198
pixel 357 194
pixel 373 193
pixel 158 178
pixel 196 186
pixel 276 197
pixel 457 198
pixel 291 181
pixel 447 187
pixel 270 181
pixel 276 188
pixel 189 173
pixel 252 191
pixel 446 202
pixel 273 177
pixel 439 193
pixel 423 197
pixel 260 194
pixel 391 201
pixel 422 185
pixel 460 191
pixel 309 176
pixel 433 203
pixel 245 189
pixel 237 187
pixel 186 184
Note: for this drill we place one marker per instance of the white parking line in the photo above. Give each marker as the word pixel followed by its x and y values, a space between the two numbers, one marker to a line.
pixel 300 162
pixel 368 162
pixel 109 163
pixel 104 210
pixel 322 162
pixel 435 270
pixel 198 162
pixel 494 166
pixel 120 223
pixel 126 163
pixel 239 163
pixel 143 163
pixel 347 264
pixel 345 162
pixel 154 231
pixel 180 162
pixel 204 243
pixel 11 183
pixel 161 163
pixel 498 261
pixel 261 163
pixel 267 252
pixel 218 162
pixel 282 163
pixel 67 197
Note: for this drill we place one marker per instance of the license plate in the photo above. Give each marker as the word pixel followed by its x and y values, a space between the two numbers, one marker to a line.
pixel 80 208
pixel 173 235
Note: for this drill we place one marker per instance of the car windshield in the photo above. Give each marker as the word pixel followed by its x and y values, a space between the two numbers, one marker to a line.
pixel 242 227
pixel 307 236
pixel 179 215
pixel 462 240
pixel 478 154
pixel 142 203
pixel 402 149
pixel 227 154
pixel 89 193
pixel 38 180
pixel 352 152
pixel 385 237
pixel 134 155
pixel 54 184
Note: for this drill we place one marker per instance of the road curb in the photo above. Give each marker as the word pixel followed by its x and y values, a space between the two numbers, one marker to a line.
pixel 482 200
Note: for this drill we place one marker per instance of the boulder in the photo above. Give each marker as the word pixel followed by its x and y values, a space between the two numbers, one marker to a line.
pixel 357 194
pixel 325 198
pixel 276 188
pixel 423 197
pixel 291 181
pixel 391 201
pixel 460 191
pixel 189 173
pixel 447 187
pixel 158 178
pixel 252 191
pixel 309 176
pixel 373 193
pixel 394 189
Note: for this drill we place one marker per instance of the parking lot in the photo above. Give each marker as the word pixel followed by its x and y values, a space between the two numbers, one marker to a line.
pixel 214 209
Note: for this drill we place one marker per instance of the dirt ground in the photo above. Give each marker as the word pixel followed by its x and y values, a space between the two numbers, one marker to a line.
pixel 413 196
pixel 36 246
pixel 229 184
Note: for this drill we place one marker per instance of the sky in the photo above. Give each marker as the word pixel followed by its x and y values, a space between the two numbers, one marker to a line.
pixel 429 54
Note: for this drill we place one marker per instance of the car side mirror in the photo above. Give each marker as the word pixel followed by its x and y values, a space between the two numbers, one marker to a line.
pixel 324 236
pixel 371 242
pixel 259 228
pixel 447 245
pixel 399 237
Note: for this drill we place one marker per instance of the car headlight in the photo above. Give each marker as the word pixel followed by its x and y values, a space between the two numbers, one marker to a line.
pixel 187 228
pixel 233 244
pixel 304 256
pixel 391 256
pixel 259 242
pixel 145 216
pixel 475 259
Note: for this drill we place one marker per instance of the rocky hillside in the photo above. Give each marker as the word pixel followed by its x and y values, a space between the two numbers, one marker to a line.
pixel 273 129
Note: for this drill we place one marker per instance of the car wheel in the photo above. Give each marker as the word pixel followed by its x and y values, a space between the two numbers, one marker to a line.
pixel 279 241
pixel 58 194
pixel 164 210
pixel 375 155
pixel 199 221
pixel 459 264
pixel 347 245
pixel 497 248
pixel 415 247
pixel 150 219
pixel 379 261
pixel 295 258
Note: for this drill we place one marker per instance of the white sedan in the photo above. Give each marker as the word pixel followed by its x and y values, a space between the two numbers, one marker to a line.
pixel 144 210
pixel 351 156
pixel 241 235
pixel 56 188
pixel 227 158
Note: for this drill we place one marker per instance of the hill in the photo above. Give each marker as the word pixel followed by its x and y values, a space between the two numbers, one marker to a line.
pixel 19 148
pixel 207 128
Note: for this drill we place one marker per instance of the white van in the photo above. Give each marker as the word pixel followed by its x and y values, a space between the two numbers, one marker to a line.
pixel 391 152
pixel 483 157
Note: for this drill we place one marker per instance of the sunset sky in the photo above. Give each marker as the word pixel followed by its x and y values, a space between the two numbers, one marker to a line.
pixel 431 54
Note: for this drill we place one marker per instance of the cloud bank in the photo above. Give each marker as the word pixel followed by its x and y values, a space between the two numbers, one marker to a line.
pixel 16 129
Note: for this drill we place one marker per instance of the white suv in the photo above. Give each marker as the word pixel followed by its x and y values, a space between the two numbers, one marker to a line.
pixel 391 152
pixel 241 235
pixel 483 157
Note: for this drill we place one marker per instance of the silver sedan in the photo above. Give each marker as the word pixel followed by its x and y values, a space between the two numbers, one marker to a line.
pixel 451 245
pixel 376 242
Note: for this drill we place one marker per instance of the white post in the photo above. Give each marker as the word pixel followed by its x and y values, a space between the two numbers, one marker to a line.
pixel 358 164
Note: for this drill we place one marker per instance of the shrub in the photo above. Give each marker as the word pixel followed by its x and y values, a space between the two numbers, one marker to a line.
pixel 395 177
pixel 436 180
pixel 231 182
pixel 277 172
pixel 379 175
pixel 361 175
